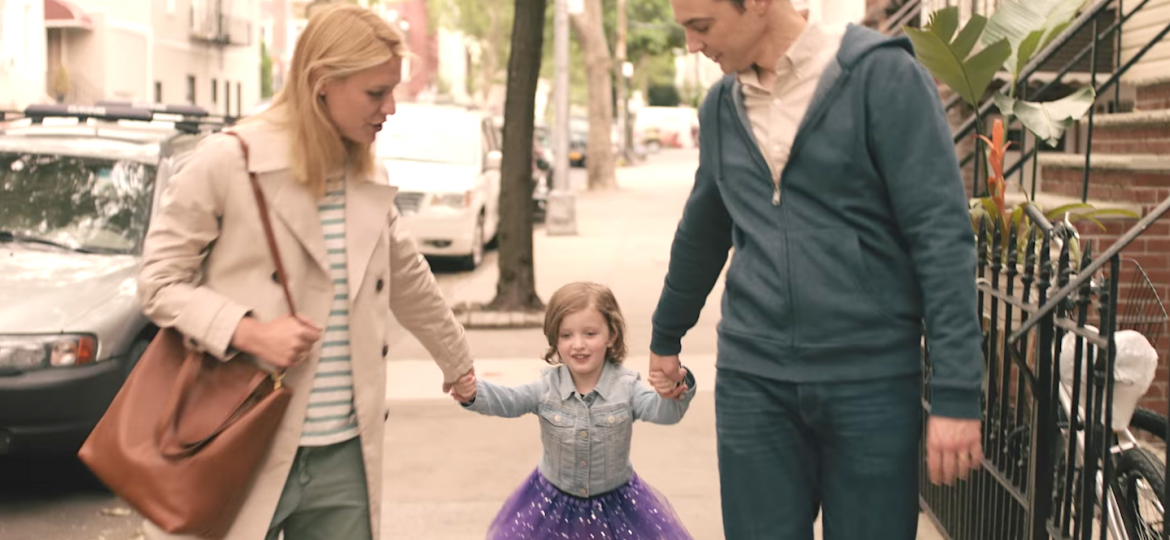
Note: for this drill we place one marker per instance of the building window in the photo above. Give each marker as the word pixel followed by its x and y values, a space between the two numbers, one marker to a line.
pixel 191 89
pixel 214 91
pixel 227 98
pixel 158 92
pixel 239 99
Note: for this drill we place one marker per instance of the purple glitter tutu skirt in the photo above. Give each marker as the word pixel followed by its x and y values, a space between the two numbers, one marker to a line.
pixel 539 511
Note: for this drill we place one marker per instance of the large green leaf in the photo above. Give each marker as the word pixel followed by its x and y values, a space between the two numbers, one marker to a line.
pixel 1017 20
pixel 948 60
pixel 1026 50
pixel 1006 104
pixel 943 23
pixel 1048 120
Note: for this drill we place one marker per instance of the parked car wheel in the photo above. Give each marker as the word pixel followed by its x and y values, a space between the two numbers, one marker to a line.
pixel 472 260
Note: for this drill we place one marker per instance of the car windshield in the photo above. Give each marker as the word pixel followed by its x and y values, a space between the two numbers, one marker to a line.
pixel 81 203
pixel 431 138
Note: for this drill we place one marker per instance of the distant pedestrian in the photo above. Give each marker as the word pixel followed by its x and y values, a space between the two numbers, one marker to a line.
pixel 585 487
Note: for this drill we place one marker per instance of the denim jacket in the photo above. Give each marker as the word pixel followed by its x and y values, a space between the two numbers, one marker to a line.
pixel 586 445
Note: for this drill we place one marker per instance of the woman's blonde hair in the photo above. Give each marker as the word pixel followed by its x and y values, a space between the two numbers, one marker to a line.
pixel 578 296
pixel 339 41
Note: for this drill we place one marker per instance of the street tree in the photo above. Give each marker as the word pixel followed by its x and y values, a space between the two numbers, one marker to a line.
pixel 516 289
pixel 589 27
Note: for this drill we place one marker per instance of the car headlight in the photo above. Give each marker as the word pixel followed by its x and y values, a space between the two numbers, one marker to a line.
pixel 452 200
pixel 32 352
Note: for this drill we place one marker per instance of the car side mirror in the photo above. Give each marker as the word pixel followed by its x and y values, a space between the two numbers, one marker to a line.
pixel 493 161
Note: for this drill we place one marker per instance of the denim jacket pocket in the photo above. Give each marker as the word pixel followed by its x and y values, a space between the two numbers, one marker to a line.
pixel 613 429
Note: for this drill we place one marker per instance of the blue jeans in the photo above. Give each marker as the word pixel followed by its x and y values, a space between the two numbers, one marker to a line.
pixel 787 450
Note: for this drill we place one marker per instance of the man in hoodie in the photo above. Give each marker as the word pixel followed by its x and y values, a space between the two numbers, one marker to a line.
pixel 827 163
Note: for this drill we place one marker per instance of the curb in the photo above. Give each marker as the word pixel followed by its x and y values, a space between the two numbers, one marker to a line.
pixel 477 318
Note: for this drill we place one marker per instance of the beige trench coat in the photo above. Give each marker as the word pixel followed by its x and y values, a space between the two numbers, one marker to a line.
pixel 204 294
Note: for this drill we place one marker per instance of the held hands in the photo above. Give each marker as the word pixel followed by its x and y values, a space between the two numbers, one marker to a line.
pixel 463 389
pixel 666 376
pixel 663 385
pixel 953 449
pixel 281 343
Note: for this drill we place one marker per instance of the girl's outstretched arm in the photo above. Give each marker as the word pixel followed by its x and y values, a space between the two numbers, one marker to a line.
pixel 651 407
pixel 505 401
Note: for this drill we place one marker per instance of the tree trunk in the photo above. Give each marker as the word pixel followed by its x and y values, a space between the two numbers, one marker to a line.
pixel 590 33
pixel 516 290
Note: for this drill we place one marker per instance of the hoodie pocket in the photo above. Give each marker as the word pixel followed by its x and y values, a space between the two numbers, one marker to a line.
pixel 833 307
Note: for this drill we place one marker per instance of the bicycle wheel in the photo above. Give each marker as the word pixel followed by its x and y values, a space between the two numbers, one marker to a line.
pixel 1149 422
pixel 1141 482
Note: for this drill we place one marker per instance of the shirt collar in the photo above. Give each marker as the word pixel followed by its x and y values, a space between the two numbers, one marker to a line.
pixel 795 62
pixel 609 375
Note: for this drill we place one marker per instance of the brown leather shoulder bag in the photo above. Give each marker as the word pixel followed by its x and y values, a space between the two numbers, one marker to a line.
pixel 183 439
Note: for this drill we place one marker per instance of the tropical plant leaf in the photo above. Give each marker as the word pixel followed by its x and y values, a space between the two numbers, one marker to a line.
pixel 1057 214
pixel 1048 120
pixel 1005 103
pixel 1016 20
pixel 993 211
pixel 1017 216
pixel 948 61
pixel 969 37
pixel 1025 51
pixel 943 23
pixel 1114 212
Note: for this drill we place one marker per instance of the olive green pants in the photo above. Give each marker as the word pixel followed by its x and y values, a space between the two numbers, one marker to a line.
pixel 325 497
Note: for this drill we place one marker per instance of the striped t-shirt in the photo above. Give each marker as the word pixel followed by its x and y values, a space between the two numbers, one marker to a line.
pixel 331 417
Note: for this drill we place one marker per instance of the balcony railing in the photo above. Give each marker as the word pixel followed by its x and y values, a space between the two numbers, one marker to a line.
pixel 210 24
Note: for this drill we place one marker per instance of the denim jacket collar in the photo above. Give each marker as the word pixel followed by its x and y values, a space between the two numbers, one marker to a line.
pixel 610 373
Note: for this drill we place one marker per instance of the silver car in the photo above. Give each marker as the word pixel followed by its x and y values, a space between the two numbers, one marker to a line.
pixel 78 187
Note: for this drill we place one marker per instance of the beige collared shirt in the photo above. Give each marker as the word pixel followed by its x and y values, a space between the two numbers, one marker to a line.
pixel 775 113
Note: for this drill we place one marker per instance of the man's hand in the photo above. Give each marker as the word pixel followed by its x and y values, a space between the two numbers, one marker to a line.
pixel 664 385
pixel 450 387
pixel 668 368
pixel 953 448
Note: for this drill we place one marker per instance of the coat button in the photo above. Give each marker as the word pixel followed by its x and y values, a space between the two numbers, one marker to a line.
pixel 378 286
pixel 385 349
pixel 584 463
pixel 557 418
pixel 583 492
pixel 584 434
pixel 610 419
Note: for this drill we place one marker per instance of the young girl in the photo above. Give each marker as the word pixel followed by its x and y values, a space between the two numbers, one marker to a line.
pixel 585 487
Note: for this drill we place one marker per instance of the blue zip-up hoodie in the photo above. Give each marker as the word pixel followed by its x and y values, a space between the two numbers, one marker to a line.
pixel 868 243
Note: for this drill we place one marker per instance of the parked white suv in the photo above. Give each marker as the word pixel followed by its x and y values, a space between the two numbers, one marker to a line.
pixel 445 160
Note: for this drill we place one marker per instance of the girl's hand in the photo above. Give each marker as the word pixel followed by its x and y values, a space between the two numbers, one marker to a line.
pixel 664 385
pixel 464 389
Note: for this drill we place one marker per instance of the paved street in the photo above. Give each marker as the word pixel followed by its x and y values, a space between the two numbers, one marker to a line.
pixel 448 470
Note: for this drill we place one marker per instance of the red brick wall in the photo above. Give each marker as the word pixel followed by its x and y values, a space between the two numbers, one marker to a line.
pixel 1151 250
pixel 1155 97
pixel 1132 139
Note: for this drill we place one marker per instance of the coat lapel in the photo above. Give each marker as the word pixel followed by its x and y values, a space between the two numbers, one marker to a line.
pixel 367 211
pixel 293 204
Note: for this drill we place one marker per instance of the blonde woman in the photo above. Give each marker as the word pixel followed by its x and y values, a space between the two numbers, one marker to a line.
pixel 207 273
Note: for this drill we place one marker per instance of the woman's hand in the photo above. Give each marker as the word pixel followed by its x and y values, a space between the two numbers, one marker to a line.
pixel 282 343
pixel 464 389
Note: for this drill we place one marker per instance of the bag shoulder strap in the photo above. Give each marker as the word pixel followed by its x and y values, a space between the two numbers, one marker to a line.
pixel 268 235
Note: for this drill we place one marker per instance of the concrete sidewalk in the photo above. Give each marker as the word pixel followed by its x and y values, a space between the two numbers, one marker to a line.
pixel 448 471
